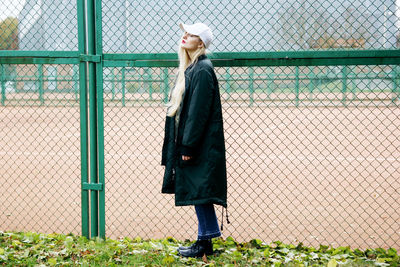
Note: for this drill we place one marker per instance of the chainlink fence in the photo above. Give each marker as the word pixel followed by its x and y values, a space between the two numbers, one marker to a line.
pixel 39 151
pixel 310 106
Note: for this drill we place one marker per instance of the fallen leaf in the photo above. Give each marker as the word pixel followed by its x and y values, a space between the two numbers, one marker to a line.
pixel 205 258
pixel 332 263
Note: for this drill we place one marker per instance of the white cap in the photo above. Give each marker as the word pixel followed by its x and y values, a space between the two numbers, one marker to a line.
pixel 199 29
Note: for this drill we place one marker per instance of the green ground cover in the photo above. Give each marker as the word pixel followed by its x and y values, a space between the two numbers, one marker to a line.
pixel 35 249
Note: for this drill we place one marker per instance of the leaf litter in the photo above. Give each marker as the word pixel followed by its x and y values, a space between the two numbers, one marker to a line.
pixel 36 249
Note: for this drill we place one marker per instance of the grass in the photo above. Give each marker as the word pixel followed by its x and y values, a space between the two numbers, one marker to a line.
pixel 36 249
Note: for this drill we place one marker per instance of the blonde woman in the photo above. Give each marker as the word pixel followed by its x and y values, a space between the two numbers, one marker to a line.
pixel 194 148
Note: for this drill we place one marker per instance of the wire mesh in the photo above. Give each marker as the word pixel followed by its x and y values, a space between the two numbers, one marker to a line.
pixel 244 26
pixel 148 26
pixel 317 166
pixel 312 151
pixel 39 25
pixel 40 152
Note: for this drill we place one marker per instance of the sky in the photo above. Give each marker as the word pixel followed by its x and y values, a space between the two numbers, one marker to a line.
pixel 10 8
pixel 13 7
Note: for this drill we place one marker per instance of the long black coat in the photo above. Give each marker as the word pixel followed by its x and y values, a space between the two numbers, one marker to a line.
pixel 202 179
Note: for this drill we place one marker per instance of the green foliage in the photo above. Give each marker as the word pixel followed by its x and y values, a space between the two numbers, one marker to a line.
pixel 35 249
pixel 9 34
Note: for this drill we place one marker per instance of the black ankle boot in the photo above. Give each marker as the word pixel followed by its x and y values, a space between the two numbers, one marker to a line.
pixel 189 247
pixel 198 249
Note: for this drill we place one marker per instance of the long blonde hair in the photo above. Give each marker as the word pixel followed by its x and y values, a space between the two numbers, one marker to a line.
pixel 177 91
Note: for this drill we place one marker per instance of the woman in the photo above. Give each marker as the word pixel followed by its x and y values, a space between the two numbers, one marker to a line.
pixel 194 148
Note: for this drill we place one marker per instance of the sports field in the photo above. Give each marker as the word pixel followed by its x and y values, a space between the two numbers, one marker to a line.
pixel 315 174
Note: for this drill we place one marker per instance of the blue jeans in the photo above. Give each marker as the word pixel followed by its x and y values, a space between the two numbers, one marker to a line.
pixel 208 224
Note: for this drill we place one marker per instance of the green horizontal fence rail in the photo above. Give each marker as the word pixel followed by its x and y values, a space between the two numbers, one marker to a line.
pixel 313 58
pixel 220 59
pixel 306 58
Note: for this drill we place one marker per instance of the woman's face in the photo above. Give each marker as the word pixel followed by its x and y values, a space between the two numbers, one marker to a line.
pixel 191 42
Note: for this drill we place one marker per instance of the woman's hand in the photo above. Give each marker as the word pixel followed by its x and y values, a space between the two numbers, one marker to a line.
pixel 186 157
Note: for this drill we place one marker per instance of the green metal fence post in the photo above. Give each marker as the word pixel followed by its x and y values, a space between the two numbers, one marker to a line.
pixel 352 76
pixel 344 84
pixel 141 82
pixel 75 77
pixel 166 84
pixel 148 78
pixel 397 89
pixel 112 84
pixel 270 82
pixel 297 85
pixel 83 117
pixel 395 86
pixel 40 81
pixel 312 79
pixel 228 79
pixel 319 76
pixel 123 86
pixel 369 80
pixel 251 85
pixel 100 121
pixel 92 119
pixel 3 85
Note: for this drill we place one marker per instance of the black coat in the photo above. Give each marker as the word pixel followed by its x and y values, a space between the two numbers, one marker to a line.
pixel 202 179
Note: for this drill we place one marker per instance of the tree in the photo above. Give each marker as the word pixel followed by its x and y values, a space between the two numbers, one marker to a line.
pixel 301 24
pixel 398 41
pixel 9 34
pixel 292 25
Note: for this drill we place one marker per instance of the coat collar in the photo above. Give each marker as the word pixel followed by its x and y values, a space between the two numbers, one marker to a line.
pixel 202 57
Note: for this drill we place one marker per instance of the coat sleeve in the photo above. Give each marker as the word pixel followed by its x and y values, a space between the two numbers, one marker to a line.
pixel 198 112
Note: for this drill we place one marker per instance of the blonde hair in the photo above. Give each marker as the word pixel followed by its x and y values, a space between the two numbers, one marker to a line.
pixel 177 92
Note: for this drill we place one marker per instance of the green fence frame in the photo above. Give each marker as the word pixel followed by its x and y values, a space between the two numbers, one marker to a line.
pixel 346 76
pixel 91 61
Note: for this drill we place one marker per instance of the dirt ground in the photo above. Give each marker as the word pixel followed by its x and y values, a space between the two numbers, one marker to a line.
pixel 317 175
